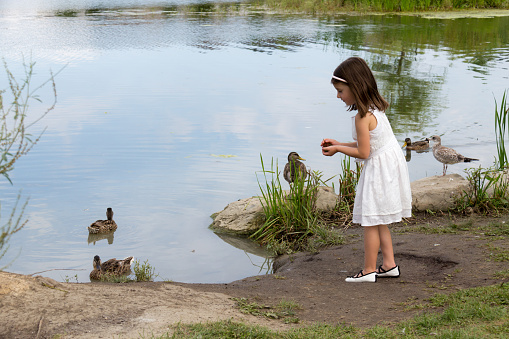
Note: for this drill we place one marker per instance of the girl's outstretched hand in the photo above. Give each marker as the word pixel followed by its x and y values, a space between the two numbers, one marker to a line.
pixel 329 142
pixel 328 148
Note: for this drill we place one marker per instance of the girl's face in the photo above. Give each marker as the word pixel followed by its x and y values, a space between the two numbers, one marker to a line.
pixel 345 94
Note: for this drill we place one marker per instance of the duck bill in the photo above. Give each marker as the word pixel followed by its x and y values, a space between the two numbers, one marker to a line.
pixel 302 159
pixel 404 145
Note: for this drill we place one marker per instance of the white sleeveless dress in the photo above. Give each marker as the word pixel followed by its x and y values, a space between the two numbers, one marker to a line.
pixel 383 195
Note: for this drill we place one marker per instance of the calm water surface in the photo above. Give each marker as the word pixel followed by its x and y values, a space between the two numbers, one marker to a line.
pixel 163 113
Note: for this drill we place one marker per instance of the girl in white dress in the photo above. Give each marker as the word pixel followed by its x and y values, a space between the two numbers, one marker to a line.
pixel 383 193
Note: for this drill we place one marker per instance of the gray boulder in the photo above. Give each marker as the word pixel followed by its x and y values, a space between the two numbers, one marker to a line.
pixel 437 193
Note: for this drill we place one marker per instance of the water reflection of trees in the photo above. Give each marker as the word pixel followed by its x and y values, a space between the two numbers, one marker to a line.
pixel 397 45
pixel 414 97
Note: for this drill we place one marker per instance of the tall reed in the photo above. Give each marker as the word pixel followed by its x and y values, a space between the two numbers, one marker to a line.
pixel 348 179
pixel 501 131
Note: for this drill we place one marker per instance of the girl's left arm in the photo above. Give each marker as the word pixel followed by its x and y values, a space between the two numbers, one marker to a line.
pixel 361 148
pixel 363 139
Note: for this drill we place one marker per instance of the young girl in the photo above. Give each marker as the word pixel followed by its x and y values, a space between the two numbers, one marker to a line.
pixel 383 192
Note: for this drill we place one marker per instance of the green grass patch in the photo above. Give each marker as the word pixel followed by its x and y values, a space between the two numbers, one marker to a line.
pixel 285 310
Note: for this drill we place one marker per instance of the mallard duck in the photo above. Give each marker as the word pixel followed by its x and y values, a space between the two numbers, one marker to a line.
pixel 420 145
pixel 103 226
pixel 111 267
pixel 446 155
pixel 294 168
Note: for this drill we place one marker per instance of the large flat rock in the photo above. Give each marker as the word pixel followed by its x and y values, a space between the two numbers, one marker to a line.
pixel 437 193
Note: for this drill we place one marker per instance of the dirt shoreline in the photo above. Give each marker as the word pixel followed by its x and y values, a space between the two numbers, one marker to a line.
pixel 430 263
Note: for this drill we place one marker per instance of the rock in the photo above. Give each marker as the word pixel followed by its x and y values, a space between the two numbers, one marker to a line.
pixel 437 193
pixel 245 216
pixel 326 199
pixel 242 217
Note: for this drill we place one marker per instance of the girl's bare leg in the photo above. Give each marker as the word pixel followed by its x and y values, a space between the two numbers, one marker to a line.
pixel 371 247
pixel 386 246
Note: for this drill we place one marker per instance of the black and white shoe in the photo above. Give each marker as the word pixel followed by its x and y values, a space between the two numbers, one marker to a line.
pixel 361 277
pixel 392 273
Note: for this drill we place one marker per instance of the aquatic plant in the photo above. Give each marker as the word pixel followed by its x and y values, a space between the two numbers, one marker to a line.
pixel 348 179
pixel 501 124
pixel 290 215
pixel 13 225
pixel 488 192
pixel 331 6
pixel 15 141
pixel 292 221
pixel 144 271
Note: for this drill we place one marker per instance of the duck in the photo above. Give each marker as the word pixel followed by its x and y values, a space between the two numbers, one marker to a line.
pixel 294 168
pixel 446 155
pixel 420 145
pixel 103 226
pixel 112 267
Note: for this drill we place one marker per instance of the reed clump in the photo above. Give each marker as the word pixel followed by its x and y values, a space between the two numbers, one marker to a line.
pixel 332 6
pixel 488 191
pixel 292 221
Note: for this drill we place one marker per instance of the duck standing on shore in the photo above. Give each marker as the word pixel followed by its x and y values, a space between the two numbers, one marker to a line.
pixel 446 155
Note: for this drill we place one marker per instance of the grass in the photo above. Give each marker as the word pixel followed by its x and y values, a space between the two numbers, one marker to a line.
pixel 480 312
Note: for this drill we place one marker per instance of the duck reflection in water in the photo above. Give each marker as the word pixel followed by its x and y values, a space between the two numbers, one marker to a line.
pixel 93 238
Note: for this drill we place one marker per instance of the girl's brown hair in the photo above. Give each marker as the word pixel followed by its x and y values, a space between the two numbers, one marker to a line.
pixel 356 74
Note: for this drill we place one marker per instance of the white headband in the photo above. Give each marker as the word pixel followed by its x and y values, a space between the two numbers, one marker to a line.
pixel 340 79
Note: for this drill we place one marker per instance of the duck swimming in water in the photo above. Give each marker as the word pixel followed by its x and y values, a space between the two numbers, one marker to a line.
pixel 294 168
pixel 103 226
pixel 420 145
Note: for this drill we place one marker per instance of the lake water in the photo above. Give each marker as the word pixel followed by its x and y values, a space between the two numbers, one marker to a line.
pixel 164 111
